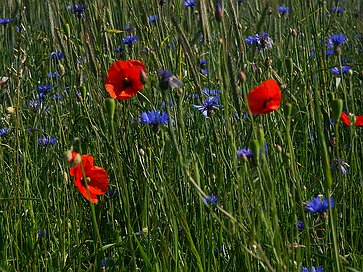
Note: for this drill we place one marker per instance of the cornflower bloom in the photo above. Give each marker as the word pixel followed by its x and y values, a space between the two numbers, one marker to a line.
pixel 337 10
pixel 53 75
pixel 262 41
pixel 313 269
pixel 56 55
pixel 335 41
pixel 152 19
pixel 154 118
pixel 244 153
pixel 4 131
pixel 78 10
pixel 129 39
pixel 168 80
pixel 210 200
pixel 319 205
pixel 209 92
pixel 5 21
pixel 189 3
pixel 210 104
pixel 47 140
pixel 283 10
pixel 340 163
pixel 345 69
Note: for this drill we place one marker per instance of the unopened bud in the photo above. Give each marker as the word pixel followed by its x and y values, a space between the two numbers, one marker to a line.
pixel 219 11
pixel 62 70
pixel 110 106
pixel 67 30
pixel 3 80
pixel 255 147
pixel 141 152
pixel 72 158
pixel 83 91
pixel 143 77
pixel 337 106
pixel 278 148
pixel 242 76
pixel 293 32
pixel 287 110
pixel 10 110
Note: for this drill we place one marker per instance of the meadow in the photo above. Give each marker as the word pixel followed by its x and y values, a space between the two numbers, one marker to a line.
pixel 239 148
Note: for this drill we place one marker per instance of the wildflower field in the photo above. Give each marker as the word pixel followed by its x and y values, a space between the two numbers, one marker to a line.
pixel 196 135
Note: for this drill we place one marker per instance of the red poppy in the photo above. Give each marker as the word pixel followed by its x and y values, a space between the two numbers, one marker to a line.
pixel 358 120
pixel 96 178
pixel 123 79
pixel 264 98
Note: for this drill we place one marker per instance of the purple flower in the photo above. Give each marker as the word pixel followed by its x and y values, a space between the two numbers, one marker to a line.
pixel 244 152
pixel 4 131
pixel 262 41
pixel 300 225
pixel 209 92
pixel 340 163
pixel 319 205
pixel 210 104
pixel 129 39
pixel 154 117
pixel 78 10
pixel 283 10
pixel 168 80
pixel 337 9
pixel 43 89
pixel 210 200
pixel 56 55
pixel 53 75
pixel 47 140
pixel 189 4
pixel 313 269
pixel 335 40
pixel 5 21
pixel 337 71
pixel 152 19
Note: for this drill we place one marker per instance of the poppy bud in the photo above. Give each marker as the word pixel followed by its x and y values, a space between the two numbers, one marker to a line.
pixel 278 148
pixel 10 110
pixel 83 91
pixel 242 76
pixel 72 158
pixel 288 108
pixel 143 77
pixel 337 106
pixel 67 30
pixel 293 32
pixel 3 80
pixel 255 147
pixel 141 152
pixel 219 11
pixel 110 106
pixel 289 65
pixel 62 70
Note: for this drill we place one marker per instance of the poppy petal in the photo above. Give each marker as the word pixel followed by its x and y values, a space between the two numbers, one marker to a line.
pixel 265 97
pixel 83 190
pixel 123 79
pixel 359 121
pixel 99 180
pixel 344 117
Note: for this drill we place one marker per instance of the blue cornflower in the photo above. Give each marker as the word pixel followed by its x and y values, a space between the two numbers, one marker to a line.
pixel 129 39
pixel 78 10
pixel 337 9
pixel 35 103
pixel 313 269
pixel 41 233
pixel 244 153
pixel 4 131
pixel 53 75
pixel 210 104
pixel 262 41
pixel 168 80
pixel 154 117
pixel 340 163
pixel 47 140
pixel 152 19
pixel 283 10
pixel 203 68
pixel 5 21
pixel 210 200
pixel 56 55
pixel 43 89
pixel 317 204
pixel 209 92
pixel 336 70
pixel 300 225
pixel 189 3
pixel 335 40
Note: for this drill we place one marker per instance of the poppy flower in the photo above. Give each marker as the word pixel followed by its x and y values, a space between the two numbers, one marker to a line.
pixel 264 98
pixel 96 178
pixel 123 79
pixel 345 118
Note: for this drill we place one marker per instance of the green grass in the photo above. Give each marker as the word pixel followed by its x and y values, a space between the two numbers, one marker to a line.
pixel 161 175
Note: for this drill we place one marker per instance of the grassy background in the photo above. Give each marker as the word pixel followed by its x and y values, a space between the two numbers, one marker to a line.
pixel 157 179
